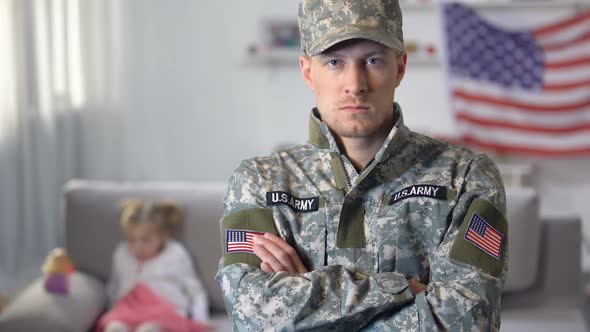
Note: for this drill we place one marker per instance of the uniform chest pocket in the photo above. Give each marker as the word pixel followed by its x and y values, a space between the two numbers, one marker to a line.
pixel 306 232
pixel 408 233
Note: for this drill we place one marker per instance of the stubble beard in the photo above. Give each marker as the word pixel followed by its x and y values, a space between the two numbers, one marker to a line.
pixel 360 129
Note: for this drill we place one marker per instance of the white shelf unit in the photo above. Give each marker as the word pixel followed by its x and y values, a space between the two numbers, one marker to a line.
pixel 420 9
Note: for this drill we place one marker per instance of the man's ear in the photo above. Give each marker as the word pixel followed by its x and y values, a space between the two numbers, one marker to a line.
pixel 402 61
pixel 305 67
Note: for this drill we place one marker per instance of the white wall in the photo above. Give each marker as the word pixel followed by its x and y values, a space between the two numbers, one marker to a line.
pixel 186 73
pixel 198 108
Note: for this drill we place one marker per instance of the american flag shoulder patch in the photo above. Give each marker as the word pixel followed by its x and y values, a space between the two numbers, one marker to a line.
pixel 240 240
pixel 485 237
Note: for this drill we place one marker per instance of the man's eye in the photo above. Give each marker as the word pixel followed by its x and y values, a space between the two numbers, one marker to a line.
pixel 373 61
pixel 334 63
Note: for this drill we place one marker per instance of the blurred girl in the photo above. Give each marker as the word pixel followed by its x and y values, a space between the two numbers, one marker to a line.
pixel 153 286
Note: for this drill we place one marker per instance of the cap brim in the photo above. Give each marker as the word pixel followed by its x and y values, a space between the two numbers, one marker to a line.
pixel 353 32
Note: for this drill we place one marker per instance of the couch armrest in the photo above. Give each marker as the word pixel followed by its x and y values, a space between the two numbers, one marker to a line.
pixel 37 310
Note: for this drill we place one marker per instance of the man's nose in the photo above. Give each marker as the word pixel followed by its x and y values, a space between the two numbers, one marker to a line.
pixel 355 80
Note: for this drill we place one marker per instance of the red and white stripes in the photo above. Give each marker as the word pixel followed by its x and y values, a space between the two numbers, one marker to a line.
pixel 551 121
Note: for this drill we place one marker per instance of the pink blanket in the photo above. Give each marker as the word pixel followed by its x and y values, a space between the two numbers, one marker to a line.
pixel 141 305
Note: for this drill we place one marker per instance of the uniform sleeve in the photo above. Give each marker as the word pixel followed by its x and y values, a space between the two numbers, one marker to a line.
pixel 466 282
pixel 332 297
pixel 199 305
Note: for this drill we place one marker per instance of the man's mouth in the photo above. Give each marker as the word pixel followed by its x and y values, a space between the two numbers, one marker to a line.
pixel 355 108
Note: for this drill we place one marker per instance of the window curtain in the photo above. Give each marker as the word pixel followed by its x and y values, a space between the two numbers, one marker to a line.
pixel 60 63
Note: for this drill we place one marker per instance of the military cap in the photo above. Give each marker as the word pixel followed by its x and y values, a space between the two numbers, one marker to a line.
pixel 324 23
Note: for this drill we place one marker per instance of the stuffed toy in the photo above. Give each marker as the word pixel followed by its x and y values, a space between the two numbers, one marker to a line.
pixel 56 271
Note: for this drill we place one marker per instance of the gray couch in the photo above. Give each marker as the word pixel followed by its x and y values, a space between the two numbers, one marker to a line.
pixel 91 233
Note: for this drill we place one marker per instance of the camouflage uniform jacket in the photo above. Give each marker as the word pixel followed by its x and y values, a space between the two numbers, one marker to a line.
pixel 408 213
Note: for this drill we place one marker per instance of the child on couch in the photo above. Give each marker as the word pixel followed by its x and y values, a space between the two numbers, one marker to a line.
pixel 153 286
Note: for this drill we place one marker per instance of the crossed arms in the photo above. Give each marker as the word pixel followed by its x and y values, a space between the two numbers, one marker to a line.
pixel 278 256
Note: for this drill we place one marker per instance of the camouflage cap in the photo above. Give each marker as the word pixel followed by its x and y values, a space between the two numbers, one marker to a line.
pixel 324 23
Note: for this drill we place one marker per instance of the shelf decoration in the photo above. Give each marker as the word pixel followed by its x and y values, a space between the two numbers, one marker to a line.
pixel 280 44
pixel 421 53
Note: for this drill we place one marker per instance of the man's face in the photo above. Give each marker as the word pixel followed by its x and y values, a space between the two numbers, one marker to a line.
pixel 354 84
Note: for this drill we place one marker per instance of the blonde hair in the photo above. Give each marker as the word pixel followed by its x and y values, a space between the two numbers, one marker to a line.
pixel 167 216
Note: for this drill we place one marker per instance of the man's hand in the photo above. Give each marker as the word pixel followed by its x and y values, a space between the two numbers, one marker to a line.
pixel 416 286
pixel 277 255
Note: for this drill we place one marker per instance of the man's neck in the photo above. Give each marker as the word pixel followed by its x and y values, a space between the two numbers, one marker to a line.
pixel 360 151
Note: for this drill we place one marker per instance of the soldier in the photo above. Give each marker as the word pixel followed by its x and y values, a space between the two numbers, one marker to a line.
pixel 368 226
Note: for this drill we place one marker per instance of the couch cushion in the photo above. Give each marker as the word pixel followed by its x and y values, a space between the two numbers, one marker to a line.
pixel 524 238
pixel 91 212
